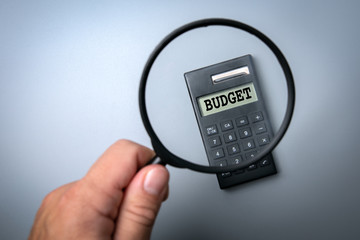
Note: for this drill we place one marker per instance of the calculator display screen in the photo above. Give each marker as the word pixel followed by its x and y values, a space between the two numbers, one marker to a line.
pixel 227 99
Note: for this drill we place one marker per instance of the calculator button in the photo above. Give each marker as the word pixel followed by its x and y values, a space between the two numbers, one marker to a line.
pixel 221 163
pixel 226 174
pixel 233 149
pixel 252 167
pixel 256 117
pixel 250 155
pixel 214 141
pixel 211 130
pixel 235 160
pixel 245 132
pixel 264 162
pixel 249 144
pixel 218 153
pixel 260 128
pixel 227 125
pixel 230 137
pixel 241 121
pixel 263 140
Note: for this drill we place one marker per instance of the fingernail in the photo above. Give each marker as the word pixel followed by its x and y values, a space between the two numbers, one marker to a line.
pixel 156 180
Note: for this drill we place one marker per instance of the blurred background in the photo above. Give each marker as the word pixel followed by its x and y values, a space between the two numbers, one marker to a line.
pixel 69 77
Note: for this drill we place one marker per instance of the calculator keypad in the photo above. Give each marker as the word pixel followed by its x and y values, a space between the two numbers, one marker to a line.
pixel 237 141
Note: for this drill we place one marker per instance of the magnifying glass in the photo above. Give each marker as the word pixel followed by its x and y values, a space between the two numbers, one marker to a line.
pixel 212 98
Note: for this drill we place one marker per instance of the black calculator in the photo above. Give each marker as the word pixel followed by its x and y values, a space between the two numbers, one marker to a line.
pixel 232 118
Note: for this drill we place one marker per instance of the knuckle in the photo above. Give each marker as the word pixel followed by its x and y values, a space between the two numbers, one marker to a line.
pixel 58 195
pixel 133 150
pixel 46 201
pixel 130 147
pixel 49 198
pixel 142 214
pixel 123 143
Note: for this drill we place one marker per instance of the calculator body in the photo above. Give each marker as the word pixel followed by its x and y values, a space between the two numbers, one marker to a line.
pixel 232 118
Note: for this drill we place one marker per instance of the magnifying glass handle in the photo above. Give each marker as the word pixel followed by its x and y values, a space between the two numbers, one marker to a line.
pixel 156 160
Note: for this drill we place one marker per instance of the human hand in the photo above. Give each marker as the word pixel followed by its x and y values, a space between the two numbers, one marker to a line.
pixel 115 200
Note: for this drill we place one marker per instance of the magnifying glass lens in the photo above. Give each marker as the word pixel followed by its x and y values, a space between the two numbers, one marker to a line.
pixel 216 97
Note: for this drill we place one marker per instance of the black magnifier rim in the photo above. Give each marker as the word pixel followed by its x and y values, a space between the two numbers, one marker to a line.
pixel 176 161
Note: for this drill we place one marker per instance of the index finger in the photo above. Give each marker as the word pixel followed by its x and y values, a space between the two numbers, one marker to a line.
pixel 111 173
pixel 119 163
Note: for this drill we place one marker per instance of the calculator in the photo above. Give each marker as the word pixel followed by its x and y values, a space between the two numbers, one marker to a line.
pixel 232 118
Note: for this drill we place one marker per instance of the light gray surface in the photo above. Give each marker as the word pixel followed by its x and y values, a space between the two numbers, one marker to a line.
pixel 69 75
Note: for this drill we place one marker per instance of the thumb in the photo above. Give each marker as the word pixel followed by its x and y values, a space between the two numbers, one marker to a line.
pixel 141 203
